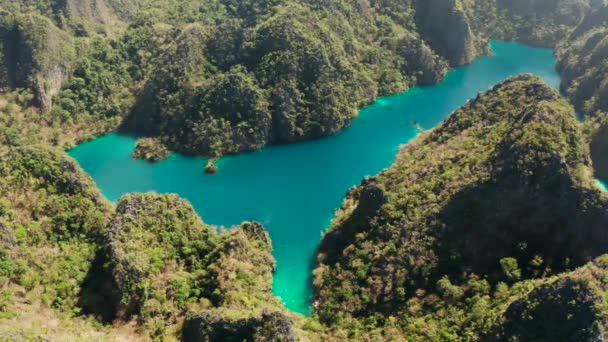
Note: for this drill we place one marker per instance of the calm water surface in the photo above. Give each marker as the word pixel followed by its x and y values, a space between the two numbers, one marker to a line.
pixel 294 189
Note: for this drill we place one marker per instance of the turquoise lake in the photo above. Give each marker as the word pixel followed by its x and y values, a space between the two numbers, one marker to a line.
pixel 294 189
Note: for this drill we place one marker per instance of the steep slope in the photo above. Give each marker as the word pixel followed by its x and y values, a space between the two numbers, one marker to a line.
pixel 596 131
pixel 36 55
pixel 81 17
pixel 583 63
pixel 172 70
pixel 51 219
pixel 160 263
pixel 300 70
pixel 499 193
pixel 544 22
pixel 447 26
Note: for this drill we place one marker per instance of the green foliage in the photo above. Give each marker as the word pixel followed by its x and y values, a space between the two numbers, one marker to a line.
pixel 510 268
pixel 570 307
pixel 153 258
pixel 153 237
pixel 165 262
pixel 300 69
pixel 582 62
pixel 51 223
pixel 150 149
pixel 498 195
pixel 493 196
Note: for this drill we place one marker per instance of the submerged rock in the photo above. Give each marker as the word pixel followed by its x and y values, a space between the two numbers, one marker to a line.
pixel 211 168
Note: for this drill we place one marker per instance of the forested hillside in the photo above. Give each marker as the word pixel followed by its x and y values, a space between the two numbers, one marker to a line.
pixel 146 264
pixel 583 62
pixel 488 227
pixel 465 220
pixel 299 69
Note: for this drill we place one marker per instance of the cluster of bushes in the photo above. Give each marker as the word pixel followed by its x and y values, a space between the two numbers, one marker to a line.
pixel 151 149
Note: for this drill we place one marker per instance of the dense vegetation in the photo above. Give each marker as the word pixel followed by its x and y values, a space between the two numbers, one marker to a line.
pixel 151 149
pixel 150 260
pixel 299 69
pixel 583 63
pixel 439 243
pixel 570 307
pixel 284 71
pixel 542 23
pixel 476 231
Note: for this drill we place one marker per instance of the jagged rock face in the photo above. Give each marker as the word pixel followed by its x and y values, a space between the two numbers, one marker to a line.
pixel 49 85
pixel 162 262
pixel 215 327
pixel 445 25
pixel 149 236
pixel 370 197
pixel 301 71
pixel 501 177
pixel 566 12
pixel 545 22
pixel 422 61
pixel 598 144
pixel 582 63
pixel 36 55
pixel 6 65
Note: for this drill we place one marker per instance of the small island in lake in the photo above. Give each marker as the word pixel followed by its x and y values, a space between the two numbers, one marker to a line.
pixel 150 149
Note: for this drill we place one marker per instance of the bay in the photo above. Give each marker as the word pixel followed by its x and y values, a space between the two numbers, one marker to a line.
pixel 294 189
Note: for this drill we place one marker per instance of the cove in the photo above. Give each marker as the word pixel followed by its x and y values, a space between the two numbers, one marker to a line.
pixel 294 189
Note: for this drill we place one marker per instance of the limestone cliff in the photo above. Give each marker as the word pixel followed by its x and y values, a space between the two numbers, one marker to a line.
pixel 36 55
pixel 501 191
pixel 582 63
pixel 446 25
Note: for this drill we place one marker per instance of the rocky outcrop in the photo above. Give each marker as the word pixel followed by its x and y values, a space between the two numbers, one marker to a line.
pixel 445 25
pixel 215 326
pixel 245 250
pixel 162 262
pixel 36 55
pixel 568 308
pixel 154 244
pixel 581 62
pixel 294 71
pixel 363 203
pixel 150 149
pixel 422 62
pixel 596 130
pixel 544 23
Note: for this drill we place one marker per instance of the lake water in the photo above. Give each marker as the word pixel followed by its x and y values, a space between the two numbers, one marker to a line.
pixel 294 189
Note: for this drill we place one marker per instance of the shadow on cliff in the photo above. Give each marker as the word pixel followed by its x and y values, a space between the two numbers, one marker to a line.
pixel 98 294
pixel 543 214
